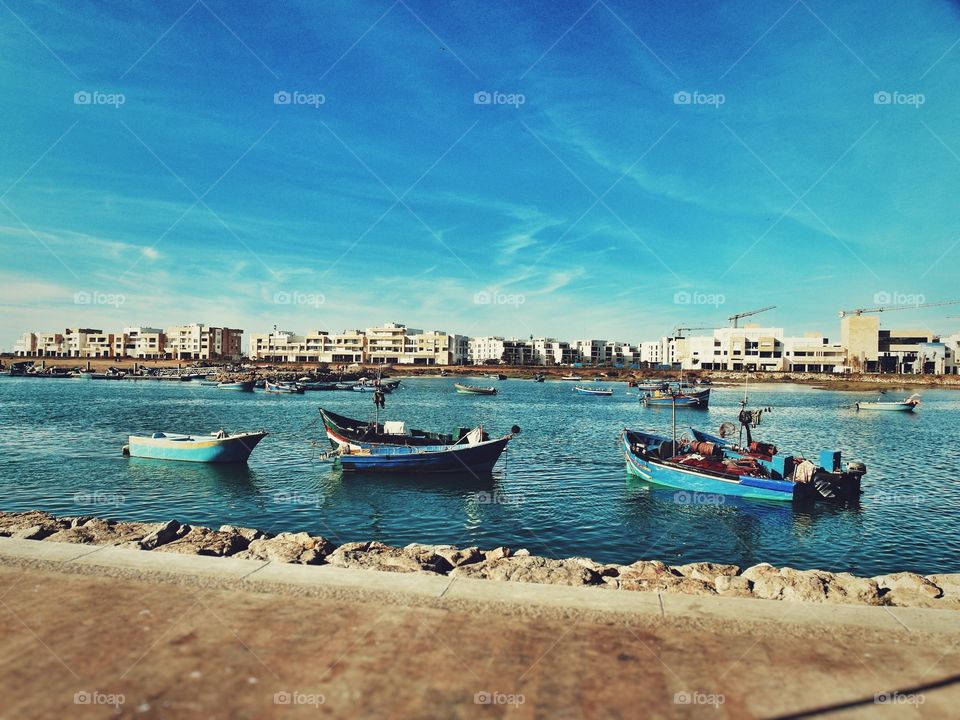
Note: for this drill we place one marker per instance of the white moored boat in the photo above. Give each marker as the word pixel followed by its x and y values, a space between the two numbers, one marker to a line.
pixel 908 405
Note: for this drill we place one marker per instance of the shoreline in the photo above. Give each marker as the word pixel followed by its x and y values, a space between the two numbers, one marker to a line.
pixel 701 579
pixel 291 371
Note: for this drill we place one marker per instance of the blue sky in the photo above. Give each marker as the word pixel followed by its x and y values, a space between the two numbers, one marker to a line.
pixel 589 209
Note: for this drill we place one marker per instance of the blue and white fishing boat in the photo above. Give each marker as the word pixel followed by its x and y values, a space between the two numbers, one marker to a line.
pixel 592 391
pixel 718 466
pixel 908 405
pixel 373 387
pixel 469 455
pixel 283 388
pixel 343 431
pixel 244 385
pixel 679 398
pixel 218 447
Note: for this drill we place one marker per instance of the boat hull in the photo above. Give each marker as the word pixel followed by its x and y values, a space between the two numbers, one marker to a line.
pixel 479 458
pixel 245 386
pixel 233 449
pixel 886 407
pixel 344 432
pixel 655 471
pixel 472 390
pixel 589 391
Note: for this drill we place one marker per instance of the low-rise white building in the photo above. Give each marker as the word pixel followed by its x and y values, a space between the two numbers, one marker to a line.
pixel 496 349
pixel 758 348
pixel 204 342
pixel 550 351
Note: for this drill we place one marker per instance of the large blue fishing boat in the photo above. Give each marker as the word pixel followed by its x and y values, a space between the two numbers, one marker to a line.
pixel 709 464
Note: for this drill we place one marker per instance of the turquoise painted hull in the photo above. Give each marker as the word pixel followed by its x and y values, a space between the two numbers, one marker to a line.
pixel 188 448
pixel 696 482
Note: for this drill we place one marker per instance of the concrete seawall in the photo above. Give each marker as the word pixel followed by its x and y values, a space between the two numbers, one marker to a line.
pixel 444 562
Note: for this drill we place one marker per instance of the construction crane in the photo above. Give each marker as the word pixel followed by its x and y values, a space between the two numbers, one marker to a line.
pixel 736 318
pixel 678 331
pixel 888 308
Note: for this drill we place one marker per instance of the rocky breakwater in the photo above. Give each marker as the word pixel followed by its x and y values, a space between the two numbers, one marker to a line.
pixel 901 589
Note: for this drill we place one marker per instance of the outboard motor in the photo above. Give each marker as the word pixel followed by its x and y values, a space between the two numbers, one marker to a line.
pixel 856 468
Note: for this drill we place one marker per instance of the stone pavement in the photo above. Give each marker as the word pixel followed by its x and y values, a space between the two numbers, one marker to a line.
pixel 95 631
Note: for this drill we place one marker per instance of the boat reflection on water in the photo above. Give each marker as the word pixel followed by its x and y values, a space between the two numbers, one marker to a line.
pixel 232 479
pixel 449 483
pixel 750 526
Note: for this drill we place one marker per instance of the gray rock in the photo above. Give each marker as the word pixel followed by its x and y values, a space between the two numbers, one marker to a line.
pixel 733 586
pixel 530 569
pixel 760 570
pixel 645 570
pixel 288 547
pixel 789 584
pixel 707 571
pixel 377 556
pixel 849 589
pixel 498 553
pixel 453 555
pixel 909 583
pixel 204 541
pixel 949 583
pixel 246 533
pixel 46 523
pixel 94 531
pixel 668 583
pixel 166 532
pixel 34 532
pixel 601 569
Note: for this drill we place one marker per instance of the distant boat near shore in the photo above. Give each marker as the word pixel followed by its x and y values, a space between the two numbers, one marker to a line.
pixel 219 447
pixel 908 405
pixel 573 378
pixel 681 398
pixel 592 391
pixel 474 390
pixel 243 385
pixel 283 388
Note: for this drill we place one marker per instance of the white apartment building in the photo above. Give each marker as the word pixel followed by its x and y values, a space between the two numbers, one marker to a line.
pixel 550 351
pixel 389 343
pixel 591 352
pixel 651 352
pixel 392 344
pixel 143 343
pixel 758 348
pixel 497 349
pixel 203 342
pixel 26 345
pixel 316 346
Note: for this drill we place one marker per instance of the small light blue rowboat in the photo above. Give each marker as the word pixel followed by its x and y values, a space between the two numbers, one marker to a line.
pixel 218 447
pixel 592 391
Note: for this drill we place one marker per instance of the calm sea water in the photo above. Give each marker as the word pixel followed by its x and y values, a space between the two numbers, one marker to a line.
pixel 560 490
